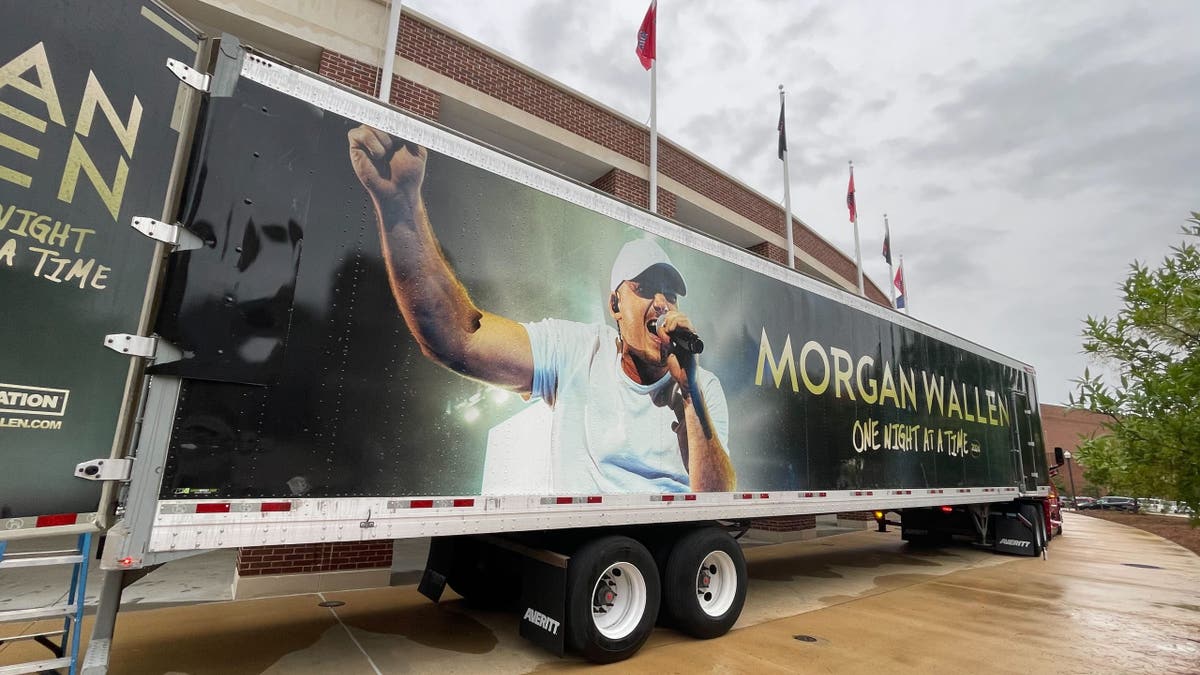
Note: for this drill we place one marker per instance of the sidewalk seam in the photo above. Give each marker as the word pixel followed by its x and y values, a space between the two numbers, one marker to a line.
pixel 353 639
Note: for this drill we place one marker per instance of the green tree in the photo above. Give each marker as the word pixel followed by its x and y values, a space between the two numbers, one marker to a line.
pixel 1150 384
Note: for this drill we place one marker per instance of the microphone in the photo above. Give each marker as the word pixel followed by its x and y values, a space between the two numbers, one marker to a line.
pixel 682 339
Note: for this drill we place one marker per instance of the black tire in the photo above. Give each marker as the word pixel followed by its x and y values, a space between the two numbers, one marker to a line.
pixel 592 565
pixel 712 613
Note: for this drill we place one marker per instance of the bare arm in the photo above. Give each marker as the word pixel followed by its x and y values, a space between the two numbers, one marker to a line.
pixel 709 467
pixel 708 464
pixel 447 325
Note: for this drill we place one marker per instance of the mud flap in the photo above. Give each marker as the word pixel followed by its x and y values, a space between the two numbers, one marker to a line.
pixel 1016 532
pixel 544 604
pixel 437 565
pixel 915 524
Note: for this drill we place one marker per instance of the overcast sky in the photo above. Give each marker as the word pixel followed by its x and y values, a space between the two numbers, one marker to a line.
pixel 1025 152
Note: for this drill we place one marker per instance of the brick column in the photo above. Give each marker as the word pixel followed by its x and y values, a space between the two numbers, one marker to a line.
pixel 624 185
pixel 859 519
pixel 771 252
pixel 310 568
pixel 784 528
pixel 365 78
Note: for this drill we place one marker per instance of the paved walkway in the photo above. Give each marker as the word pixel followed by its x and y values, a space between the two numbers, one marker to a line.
pixel 1109 599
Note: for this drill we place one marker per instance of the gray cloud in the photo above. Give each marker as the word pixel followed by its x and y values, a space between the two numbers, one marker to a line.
pixel 932 191
pixel 952 255
pixel 876 105
pixel 817 20
pixel 1079 114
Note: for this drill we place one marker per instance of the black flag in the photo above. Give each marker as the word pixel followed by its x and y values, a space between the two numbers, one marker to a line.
pixel 782 132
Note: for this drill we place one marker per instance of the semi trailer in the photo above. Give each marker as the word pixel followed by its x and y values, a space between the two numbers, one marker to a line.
pixel 313 317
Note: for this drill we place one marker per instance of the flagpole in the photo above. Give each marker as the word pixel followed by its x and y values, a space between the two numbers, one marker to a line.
pixel 389 52
pixel 648 54
pixel 787 195
pixel 887 237
pixel 654 134
pixel 857 249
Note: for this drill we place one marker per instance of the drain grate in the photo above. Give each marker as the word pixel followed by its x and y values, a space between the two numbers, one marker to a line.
pixel 330 603
pixel 804 638
pixel 1142 566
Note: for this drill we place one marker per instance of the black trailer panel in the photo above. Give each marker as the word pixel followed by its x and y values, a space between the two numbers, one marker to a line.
pixel 302 379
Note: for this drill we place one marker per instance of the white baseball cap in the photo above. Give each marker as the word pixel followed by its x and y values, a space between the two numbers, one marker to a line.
pixel 642 256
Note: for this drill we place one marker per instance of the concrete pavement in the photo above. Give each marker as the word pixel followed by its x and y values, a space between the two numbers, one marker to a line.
pixel 1109 599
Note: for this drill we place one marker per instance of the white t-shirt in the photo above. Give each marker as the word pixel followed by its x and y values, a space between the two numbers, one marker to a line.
pixel 608 435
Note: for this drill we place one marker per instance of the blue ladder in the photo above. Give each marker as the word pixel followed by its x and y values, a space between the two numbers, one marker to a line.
pixel 66 649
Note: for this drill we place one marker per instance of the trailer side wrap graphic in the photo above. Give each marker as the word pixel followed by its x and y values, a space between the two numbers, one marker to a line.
pixel 373 316
pixel 88 131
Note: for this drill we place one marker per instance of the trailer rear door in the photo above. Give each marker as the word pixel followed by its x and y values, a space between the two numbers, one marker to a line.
pixel 90 128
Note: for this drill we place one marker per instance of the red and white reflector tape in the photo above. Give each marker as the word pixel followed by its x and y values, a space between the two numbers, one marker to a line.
pixel 902 492
pixel 936 492
pixel 460 503
pixel 864 493
pixel 808 495
pixel 572 500
pixel 224 507
pixel 46 520
pixel 56 520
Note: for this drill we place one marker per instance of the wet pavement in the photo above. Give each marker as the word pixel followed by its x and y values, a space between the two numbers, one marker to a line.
pixel 1109 599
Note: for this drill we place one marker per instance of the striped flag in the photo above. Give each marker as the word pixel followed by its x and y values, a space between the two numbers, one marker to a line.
pixel 850 198
pixel 898 282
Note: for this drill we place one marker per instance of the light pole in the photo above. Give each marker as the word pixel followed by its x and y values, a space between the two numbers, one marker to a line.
pixel 1070 477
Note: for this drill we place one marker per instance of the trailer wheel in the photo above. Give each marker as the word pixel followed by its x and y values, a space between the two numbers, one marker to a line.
pixel 705 583
pixel 613 596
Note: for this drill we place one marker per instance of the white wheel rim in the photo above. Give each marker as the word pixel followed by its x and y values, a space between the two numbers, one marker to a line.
pixel 716 583
pixel 619 600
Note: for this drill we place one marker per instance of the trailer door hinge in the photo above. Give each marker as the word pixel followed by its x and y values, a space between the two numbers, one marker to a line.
pixel 131 345
pixel 189 75
pixel 104 469
pixel 179 237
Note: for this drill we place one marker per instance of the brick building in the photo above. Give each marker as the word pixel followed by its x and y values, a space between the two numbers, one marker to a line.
pixel 1066 428
pixel 457 82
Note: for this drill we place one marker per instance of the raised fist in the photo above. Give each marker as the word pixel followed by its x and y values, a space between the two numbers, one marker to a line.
pixel 390 169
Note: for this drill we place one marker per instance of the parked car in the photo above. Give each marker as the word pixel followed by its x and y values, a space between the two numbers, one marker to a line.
pixel 1085 502
pixel 1152 505
pixel 1114 503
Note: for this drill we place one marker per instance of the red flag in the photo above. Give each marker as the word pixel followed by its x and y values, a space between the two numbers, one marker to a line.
pixel 850 198
pixel 645 45
pixel 899 284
